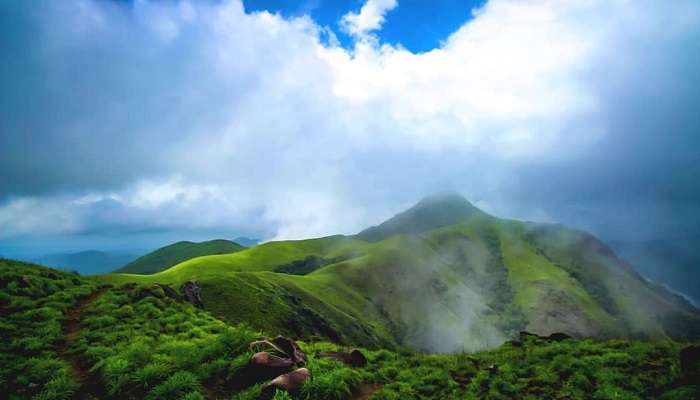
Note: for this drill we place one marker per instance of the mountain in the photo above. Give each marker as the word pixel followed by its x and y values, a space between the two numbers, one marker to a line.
pixel 246 241
pixel 442 276
pixel 430 213
pixel 86 262
pixel 166 257
pixel 674 263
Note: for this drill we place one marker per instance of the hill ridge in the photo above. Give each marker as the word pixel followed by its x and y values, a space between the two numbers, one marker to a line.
pixel 176 253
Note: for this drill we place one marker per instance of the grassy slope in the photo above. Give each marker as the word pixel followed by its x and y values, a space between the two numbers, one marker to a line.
pixel 168 256
pixel 141 344
pixel 465 286
pixel 33 302
pixel 236 286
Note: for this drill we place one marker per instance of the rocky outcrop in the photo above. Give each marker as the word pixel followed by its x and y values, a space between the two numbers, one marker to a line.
pixel 169 292
pixel 191 292
pixel 273 358
pixel 690 362
pixel 554 337
pixel 290 382
pixel 282 347
pixel 354 358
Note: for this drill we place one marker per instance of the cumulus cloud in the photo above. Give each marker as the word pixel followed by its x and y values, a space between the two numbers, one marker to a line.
pixel 167 115
pixel 370 18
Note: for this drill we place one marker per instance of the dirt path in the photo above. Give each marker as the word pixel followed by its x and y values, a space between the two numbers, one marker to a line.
pixel 365 390
pixel 88 388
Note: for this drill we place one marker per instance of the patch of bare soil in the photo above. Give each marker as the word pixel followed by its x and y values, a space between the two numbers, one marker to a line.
pixel 88 386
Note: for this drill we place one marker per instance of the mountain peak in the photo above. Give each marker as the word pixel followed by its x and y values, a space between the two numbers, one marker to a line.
pixel 431 212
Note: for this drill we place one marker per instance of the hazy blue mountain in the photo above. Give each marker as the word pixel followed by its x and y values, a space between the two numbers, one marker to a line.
pixel 246 241
pixel 86 262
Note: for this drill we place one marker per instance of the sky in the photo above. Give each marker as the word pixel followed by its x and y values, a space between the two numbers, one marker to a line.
pixel 132 124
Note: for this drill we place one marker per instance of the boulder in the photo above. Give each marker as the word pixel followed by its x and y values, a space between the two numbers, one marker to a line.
pixel 290 382
pixel 690 361
pixel 354 358
pixel 265 359
pixel 554 337
pixel 558 337
pixel 280 346
pixel 191 293
pixel 170 292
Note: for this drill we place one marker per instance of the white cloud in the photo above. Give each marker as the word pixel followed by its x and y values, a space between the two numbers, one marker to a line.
pixel 28 216
pixel 215 118
pixel 370 18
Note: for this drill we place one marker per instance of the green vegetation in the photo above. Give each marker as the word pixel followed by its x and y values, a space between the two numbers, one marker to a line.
pixel 33 302
pixel 430 213
pixel 145 345
pixel 166 257
pixel 139 343
pixel 442 278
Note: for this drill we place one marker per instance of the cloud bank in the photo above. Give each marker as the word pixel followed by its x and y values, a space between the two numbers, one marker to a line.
pixel 194 115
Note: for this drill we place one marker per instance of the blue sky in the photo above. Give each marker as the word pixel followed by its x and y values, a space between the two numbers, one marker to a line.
pixel 418 25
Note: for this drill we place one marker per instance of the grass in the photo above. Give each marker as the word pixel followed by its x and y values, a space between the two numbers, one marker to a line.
pixel 501 276
pixel 140 344
pixel 33 302
pixel 168 256
pixel 145 345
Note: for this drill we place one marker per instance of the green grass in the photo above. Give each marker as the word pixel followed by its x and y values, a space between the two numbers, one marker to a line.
pixel 33 302
pixel 145 345
pixel 140 344
pixel 464 286
pixel 168 256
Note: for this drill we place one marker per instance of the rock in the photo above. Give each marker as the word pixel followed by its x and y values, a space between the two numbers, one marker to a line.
pixel 358 359
pixel 273 358
pixel 144 292
pixel 292 381
pixel 554 337
pixel 261 367
pixel 690 361
pixel 291 348
pixel 558 337
pixel 170 292
pixel 354 358
pixel 191 293
pixel 265 359
pixel 281 346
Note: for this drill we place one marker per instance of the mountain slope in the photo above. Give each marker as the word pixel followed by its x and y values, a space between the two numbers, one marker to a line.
pixel 673 263
pixel 173 254
pixel 442 276
pixel 430 213
pixel 86 262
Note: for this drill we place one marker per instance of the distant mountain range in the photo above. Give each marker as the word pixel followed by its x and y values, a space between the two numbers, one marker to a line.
pixel 246 241
pixel 441 276
pixel 87 262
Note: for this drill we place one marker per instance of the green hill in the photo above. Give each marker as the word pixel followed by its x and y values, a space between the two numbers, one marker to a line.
pixel 442 276
pixel 173 254
pixel 430 213
pixel 70 338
